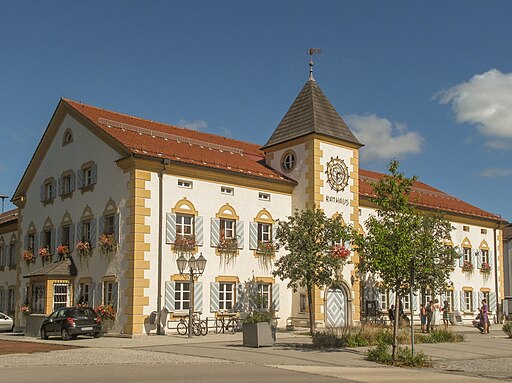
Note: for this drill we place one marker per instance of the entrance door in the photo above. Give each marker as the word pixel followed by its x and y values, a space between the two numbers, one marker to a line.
pixel 336 308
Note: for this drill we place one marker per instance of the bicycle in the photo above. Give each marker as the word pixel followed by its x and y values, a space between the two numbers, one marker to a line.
pixel 199 327
pixel 227 324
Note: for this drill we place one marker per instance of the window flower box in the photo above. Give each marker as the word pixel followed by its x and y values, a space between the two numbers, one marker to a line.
pixel 467 267
pixel 44 253
pixel 266 252
pixel 83 248
pixel 184 245
pixel 107 244
pixel 228 250
pixel 25 310
pixel 63 251
pixel 28 256
pixel 485 268
pixel 341 252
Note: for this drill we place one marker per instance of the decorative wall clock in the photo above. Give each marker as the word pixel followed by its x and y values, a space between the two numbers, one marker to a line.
pixel 337 174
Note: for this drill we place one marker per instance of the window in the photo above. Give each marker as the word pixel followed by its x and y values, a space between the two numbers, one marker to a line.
pixel 226 190
pixel 429 296
pixel 65 235
pixel 48 191
pixel 465 228
pixel 485 256
pixel 85 293
pixel 38 298
pixel 227 228
pixel 86 231
pixel 67 138
pixel 485 295
pixel 182 296
pixel 60 295
pixel 264 298
pixel 47 237
pixel 2 299
pixel 88 180
pixel 109 296
pixel 468 301
pixel 264 232
pixel 407 302
pixel 31 241
pixel 12 254
pixel 449 297
pixel 87 175
pixel 66 184
pixel 288 161
pixel 264 197
pixel 384 300
pixel 466 254
pixel 108 228
pixel 303 303
pixel 185 184
pixel 184 225
pixel 226 296
pixel 2 256
pixel 483 231
pixel 10 300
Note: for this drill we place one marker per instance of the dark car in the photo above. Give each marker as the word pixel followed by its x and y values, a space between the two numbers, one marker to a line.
pixel 69 322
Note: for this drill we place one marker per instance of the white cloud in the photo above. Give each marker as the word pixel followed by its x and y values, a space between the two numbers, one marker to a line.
pixel 194 125
pixel 382 138
pixel 496 172
pixel 485 101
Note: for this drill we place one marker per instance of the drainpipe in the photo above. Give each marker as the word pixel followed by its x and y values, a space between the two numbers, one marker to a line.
pixel 165 162
pixel 498 305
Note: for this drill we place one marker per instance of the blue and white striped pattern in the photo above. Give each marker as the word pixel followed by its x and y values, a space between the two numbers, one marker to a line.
pixel 461 259
pixel 240 234
pixel 275 297
pixel 93 233
pixel 198 222
pixel 98 295
pixel 463 301
pixel 214 232
pixel 116 228
pixel 169 296
pixel 170 228
pixel 214 297
pixel 198 296
pixel 475 300
pixel 456 301
pixel 478 259
pixel 492 301
pixel 115 295
pixel 253 235
pixel 491 259
pixel 72 237
pixel 94 173
pixel 80 179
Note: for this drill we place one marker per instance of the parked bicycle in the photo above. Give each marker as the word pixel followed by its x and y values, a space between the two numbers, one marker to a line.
pixel 224 323
pixel 199 327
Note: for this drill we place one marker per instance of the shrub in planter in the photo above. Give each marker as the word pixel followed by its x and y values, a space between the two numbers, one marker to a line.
pixel 258 329
pixel 507 329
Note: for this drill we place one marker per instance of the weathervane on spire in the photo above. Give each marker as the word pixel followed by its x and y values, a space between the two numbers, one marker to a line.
pixel 311 52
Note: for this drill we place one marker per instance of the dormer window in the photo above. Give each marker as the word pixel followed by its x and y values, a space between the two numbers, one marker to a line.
pixel 67 138
pixel 288 161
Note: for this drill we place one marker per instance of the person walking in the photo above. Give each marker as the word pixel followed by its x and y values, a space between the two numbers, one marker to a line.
pixel 446 314
pixel 484 317
pixel 391 314
pixel 423 318
pixel 436 315
pixel 430 312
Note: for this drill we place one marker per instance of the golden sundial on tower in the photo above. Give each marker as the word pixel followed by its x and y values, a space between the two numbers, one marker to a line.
pixel 337 174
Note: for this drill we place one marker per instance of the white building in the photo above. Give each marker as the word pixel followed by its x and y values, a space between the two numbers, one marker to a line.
pixel 100 172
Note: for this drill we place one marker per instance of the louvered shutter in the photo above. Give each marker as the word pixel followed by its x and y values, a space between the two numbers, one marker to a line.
pixel 240 297
pixel 169 296
pixel 274 235
pixel 41 238
pixel 79 231
pixel 93 238
pixel 391 298
pixel 276 299
pixel 240 234
pixel 43 192
pixel 98 298
pixel 72 181
pixel 199 230
pixel 492 301
pixel 253 235
pixel 478 256
pixel 94 173
pixel 116 228
pixel 214 232
pixel 414 302
pixel 491 259
pixel 78 292
pixel 80 179
pixel 475 300
pixel 72 237
pixel 462 301
pixel 53 240
pixel 461 259
pixel 59 236
pixel 61 185
pixel 54 188
pixel 25 241
pixel 36 243
pixel 115 295
pixel 456 301
pixel 214 297
pixel 198 296
pixel 170 228
pixel 480 296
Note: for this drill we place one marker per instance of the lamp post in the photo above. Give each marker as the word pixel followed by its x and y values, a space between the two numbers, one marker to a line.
pixel 190 269
pixel 3 197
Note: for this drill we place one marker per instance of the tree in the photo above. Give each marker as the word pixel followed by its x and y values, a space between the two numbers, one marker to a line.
pixel 312 258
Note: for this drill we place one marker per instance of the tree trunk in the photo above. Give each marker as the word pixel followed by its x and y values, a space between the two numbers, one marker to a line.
pixel 311 310
pixel 397 318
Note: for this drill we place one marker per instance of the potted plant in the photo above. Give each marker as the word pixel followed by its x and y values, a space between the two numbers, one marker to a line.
pixel 467 267
pixel 340 251
pixel 83 248
pixel 258 329
pixel 63 251
pixel 485 268
pixel 28 256
pixel 44 253
pixel 266 251
pixel 228 250
pixel 107 315
pixel 25 310
pixel 107 244
pixel 184 245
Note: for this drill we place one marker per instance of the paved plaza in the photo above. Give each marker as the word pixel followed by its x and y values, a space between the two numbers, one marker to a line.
pixel 483 358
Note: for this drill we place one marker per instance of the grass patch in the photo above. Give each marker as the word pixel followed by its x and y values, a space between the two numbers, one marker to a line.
pixel 404 357
pixel 439 336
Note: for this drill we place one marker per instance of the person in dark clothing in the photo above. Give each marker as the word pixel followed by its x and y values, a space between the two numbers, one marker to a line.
pixel 391 314
pixel 430 312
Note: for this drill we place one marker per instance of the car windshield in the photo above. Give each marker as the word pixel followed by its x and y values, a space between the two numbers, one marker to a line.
pixel 82 312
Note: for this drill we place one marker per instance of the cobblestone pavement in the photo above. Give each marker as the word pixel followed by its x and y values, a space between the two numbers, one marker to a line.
pixel 497 368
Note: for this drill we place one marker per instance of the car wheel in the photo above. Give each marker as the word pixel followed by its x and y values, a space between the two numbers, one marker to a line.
pixel 65 334
pixel 44 334
pixel 97 334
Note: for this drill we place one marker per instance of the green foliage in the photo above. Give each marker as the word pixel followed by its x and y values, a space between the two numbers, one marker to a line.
pixel 440 336
pixel 507 329
pixel 308 238
pixel 380 354
pixel 259 316
pixel 404 357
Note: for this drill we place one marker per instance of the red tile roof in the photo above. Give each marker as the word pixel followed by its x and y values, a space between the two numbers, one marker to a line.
pixel 154 139
pixel 159 140
pixel 423 195
pixel 9 216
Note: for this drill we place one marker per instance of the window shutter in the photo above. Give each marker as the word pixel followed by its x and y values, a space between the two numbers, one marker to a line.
pixel 462 301
pixel 214 232
pixel 72 237
pixel 78 292
pixel 480 296
pixel 116 228
pixel 275 297
pixel 115 295
pixel 79 231
pixel 36 243
pixel 198 222
pixel 475 300
pixel 461 259
pixel 94 173
pixel 80 179
pixel 241 297
pixel 214 297
pixel 43 193
pixel 274 232
pixel 198 296
pixel 478 259
pixel 456 301
pixel 54 188
pixel 41 238
pixel 98 294
pixel 93 233
pixel 253 235
pixel 26 241
pixel 169 296
pixel 72 180
pixel 101 223
pixel 170 228
pixel 61 185
pixel 59 236
pixel 414 302
pixel 391 298
pixel 491 259
pixel 53 245
pixel 492 301
pixel 240 234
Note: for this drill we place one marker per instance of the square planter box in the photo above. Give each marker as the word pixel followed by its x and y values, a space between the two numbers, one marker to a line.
pixel 258 334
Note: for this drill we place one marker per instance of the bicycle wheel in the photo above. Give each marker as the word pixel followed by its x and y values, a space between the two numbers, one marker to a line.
pixel 231 326
pixel 182 328
pixel 196 328
pixel 204 327
pixel 218 326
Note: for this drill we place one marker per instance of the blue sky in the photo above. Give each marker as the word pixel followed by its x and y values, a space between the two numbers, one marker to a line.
pixel 427 82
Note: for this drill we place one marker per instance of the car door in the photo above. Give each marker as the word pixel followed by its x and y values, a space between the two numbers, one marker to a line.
pixel 52 326
pixel 5 322
pixel 59 321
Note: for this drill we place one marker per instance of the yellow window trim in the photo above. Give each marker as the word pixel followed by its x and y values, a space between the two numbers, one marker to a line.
pixel 485 290
pixel 467 288
pixel 264 217
pixel 466 243
pixel 109 278
pixel 227 212
pixel 179 278
pixel 184 206
pixel 269 280
pixel 227 278
pixel 85 280
pixel 484 245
